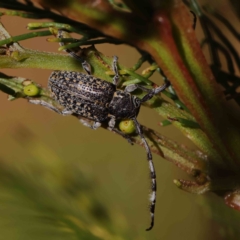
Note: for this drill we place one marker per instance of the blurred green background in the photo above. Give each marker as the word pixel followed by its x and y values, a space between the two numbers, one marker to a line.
pixel 61 180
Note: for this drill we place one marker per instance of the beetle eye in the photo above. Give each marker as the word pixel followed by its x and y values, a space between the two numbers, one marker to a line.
pixel 137 102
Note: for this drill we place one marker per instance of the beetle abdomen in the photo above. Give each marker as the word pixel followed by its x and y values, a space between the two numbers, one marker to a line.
pixel 82 94
pixel 83 85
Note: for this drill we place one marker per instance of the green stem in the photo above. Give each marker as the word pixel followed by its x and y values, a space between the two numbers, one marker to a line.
pixel 187 160
pixel 141 78
pixel 196 135
pixel 42 60
pixel 24 37
pixel 36 59
pixel 38 25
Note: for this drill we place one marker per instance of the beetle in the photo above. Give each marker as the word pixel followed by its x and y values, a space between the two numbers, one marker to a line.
pixel 93 98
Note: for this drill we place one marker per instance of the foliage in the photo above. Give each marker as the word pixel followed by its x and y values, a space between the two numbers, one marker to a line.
pixel 163 32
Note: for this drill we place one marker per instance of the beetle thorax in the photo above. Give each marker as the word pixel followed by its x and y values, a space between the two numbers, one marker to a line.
pixel 124 105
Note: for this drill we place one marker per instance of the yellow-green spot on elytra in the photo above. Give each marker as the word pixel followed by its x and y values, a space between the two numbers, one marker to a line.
pixel 31 90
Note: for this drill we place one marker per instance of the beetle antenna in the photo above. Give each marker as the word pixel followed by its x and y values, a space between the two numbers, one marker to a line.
pixel 152 173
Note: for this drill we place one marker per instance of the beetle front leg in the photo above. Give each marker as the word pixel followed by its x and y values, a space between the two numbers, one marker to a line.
pixel 86 66
pixel 51 107
pixel 152 173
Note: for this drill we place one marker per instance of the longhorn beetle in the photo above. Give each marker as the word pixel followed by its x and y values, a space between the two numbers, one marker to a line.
pixel 100 101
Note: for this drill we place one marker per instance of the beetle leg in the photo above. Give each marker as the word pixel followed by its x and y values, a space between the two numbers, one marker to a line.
pixel 66 112
pixel 150 92
pixel 86 123
pixel 115 69
pixel 111 123
pixel 86 66
pixel 132 87
pixel 152 173
pixel 154 91
pixel 51 107
pixel 122 134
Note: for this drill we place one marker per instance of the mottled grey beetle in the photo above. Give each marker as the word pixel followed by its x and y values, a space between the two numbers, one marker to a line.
pixel 100 101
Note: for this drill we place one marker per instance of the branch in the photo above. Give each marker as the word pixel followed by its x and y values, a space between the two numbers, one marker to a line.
pixel 19 88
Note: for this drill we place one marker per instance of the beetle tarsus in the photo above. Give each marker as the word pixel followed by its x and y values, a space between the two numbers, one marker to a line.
pixel 115 69
pixel 128 138
pixel 93 126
